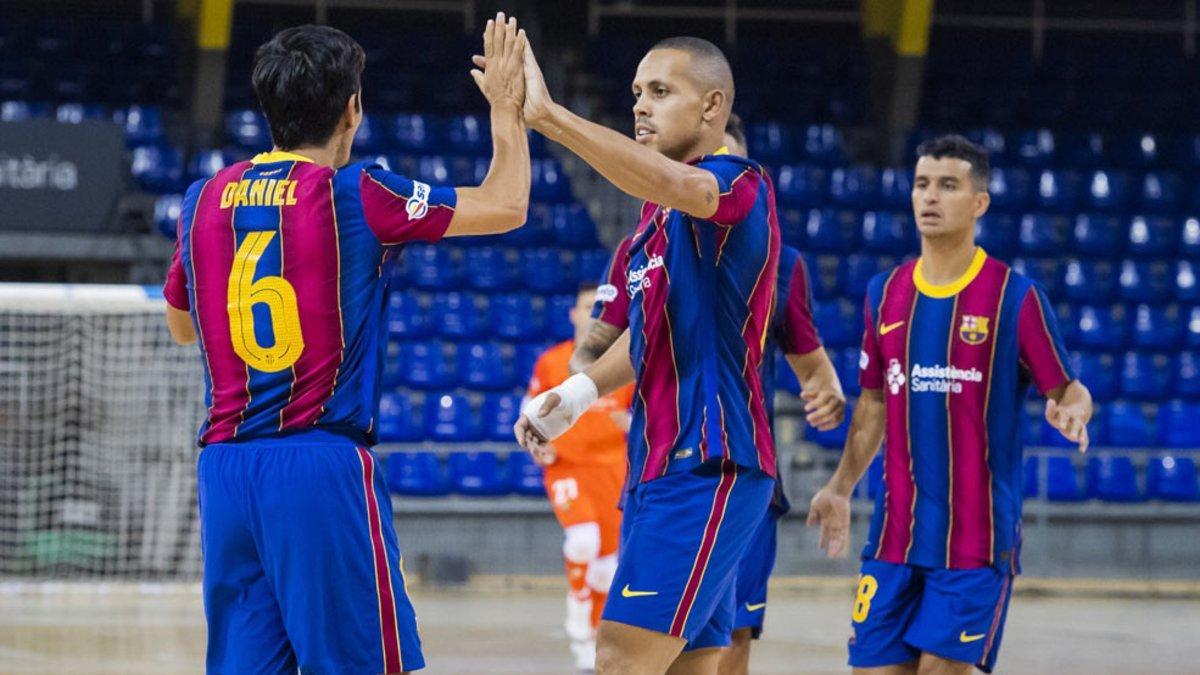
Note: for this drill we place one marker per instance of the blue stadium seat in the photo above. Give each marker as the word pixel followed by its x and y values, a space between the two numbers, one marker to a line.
pixel 1186 152
pixel 1034 149
pixel 856 272
pixel 793 227
pixel 1043 234
pixel 895 188
pixel 1089 281
pixel 1147 377
pixel 1084 150
pixel 1172 478
pixel 1127 424
pixel 558 316
pixel 477 474
pixel 831 231
pixel 1137 151
pixel 537 230
pixel 206 163
pixel 823 144
pixel 428 364
pixel 1031 476
pixel 771 142
pixel 1098 235
pixel 1100 370
pixel 890 233
pixel 1010 190
pixel 997 234
pixel 517 316
pixel 373 136
pixel 492 268
pixel 524 475
pixel 157 169
pixel 1062 480
pixel 527 355
pixel 1186 287
pixel 450 418
pixel 1142 281
pixel 593 264
pixel 74 113
pixel 1047 272
pixel 993 142
pixel 1191 331
pixel 15 111
pixel 1051 437
pixel 1107 192
pixel 414 134
pixel 549 182
pixel 573 227
pixel 1187 375
pixel 549 270
pixel 1057 191
pixel 459 315
pixel 487 365
pixel 802 186
pixel 855 187
pixel 408 315
pixel 1151 237
pixel 1113 478
pixel 432 267
pixel 470 135
pixel 166 215
pixel 442 170
pixel 785 377
pixel 399 420
pixel 144 126
pixel 416 474
pixel 248 130
pixel 838 322
pixel 1102 327
pixel 1179 424
pixel 1157 327
pixel 847 365
pixel 1068 323
pixel 1159 193
pixel 500 413
pixel 824 274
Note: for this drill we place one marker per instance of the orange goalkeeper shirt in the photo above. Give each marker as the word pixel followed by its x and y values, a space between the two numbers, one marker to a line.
pixel 595 438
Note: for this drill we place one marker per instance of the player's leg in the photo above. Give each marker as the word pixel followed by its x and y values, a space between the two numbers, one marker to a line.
pixel 886 600
pixel 705 661
pixel 245 626
pixel 622 649
pixel 961 619
pixel 324 522
pixel 750 606
pixel 909 668
pixel 735 659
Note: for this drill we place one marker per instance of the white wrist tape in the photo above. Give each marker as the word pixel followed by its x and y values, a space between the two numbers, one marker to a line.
pixel 577 394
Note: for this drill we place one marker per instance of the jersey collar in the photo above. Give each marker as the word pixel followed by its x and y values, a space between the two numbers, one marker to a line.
pixel 278 156
pixel 951 289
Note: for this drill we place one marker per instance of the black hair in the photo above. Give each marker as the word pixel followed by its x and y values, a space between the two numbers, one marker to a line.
pixel 957 147
pixel 735 128
pixel 716 69
pixel 303 78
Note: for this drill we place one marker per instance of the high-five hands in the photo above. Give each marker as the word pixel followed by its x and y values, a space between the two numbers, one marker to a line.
pixel 500 71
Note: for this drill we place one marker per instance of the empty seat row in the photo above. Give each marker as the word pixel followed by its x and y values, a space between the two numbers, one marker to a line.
pixel 447 417
pixel 1112 478
pixel 473 474
pixel 464 316
pixel 773 142
pixel 1041 148
pixel 1125 424
pixel 1117 327
pixel 482 366
pixel 499 268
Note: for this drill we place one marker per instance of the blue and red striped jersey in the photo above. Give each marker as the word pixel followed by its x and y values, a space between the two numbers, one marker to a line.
pixel 701 294
pixel 792 329
pixel 955 363
pixel 284 266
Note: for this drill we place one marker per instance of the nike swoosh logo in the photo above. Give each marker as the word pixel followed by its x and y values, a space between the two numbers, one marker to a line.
pixel 963 637
pixel 887 328
pixel 626 593
pixel 755 608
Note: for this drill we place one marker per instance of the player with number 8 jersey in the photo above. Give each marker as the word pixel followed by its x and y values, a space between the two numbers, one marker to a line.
pixel 282 272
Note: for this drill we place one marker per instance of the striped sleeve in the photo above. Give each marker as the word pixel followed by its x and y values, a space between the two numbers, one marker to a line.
pixel 612 296
pixel 1042 351
pixel 400 210
pixel 738 186
pixel 870 360
pixel 798 333
pixel 175 288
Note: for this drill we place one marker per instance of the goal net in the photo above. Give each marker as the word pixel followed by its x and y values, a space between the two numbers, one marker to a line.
pixel 98 410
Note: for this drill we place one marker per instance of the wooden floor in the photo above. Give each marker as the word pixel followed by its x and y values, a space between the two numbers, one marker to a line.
pixel 152 629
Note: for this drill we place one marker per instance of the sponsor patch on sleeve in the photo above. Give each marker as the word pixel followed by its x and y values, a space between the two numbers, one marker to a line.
pixel 418 204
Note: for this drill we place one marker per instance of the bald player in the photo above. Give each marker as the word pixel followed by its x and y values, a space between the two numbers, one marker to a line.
pixel 700 281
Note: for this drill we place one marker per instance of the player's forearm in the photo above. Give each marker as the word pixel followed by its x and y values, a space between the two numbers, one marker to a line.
pixel 179 325
pixel 614 369
pixel 635 169
pixel 600 337
pixel 862 441
pixel 815 371
pixel 501 202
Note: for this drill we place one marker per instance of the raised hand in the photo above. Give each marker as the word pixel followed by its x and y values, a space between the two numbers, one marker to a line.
pixel 538 103
pixel 500 71
pixel 831 511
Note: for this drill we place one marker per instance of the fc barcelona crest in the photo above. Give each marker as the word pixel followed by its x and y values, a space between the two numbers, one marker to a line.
pixel 974 329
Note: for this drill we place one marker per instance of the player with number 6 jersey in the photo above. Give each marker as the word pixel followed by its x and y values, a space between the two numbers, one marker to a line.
pixel 282 272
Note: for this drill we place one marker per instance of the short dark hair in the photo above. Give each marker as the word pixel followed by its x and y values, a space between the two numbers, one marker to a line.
pixel 957 147
pixel 735 128
pixel 714 68
pixel 303 78
pixel 587 287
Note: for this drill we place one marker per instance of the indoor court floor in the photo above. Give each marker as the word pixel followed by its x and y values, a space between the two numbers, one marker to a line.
pixel 128 629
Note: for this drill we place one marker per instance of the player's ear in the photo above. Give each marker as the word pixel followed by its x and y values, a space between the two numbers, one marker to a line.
pixel 714 102
pixel 982 201
pixel 352 113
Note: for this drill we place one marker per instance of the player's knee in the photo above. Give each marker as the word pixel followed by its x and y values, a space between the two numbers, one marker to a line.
pixel 600 573
pixel 581 543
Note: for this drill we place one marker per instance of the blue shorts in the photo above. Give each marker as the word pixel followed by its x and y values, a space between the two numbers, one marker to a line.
pixel 902 610
pixel 681 539
pixel 753 572
pixel 301 566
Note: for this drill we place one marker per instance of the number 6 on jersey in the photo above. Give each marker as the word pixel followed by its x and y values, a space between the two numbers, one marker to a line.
pixel 280 298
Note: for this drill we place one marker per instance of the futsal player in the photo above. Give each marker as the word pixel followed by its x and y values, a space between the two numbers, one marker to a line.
pixel 584 475
pixel 953 341
pixel 281 272
pixel 700 278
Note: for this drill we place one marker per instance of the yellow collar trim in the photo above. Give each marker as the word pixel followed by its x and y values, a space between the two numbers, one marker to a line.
pixel 951 289
pixel 723 150
pixel 278 156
